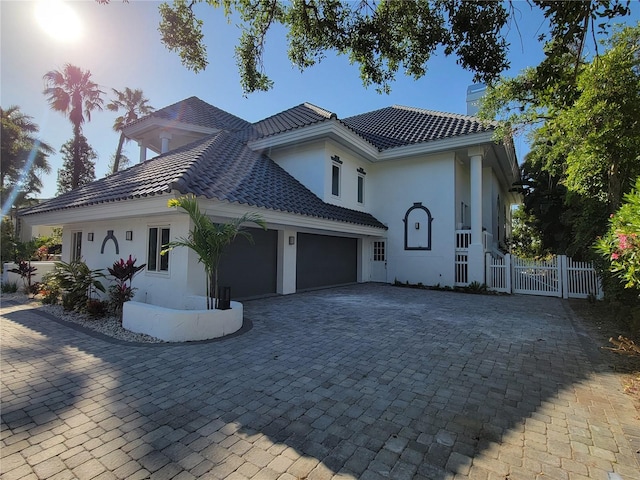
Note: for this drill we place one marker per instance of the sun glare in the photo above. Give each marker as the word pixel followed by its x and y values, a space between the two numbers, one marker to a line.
pixel 58 20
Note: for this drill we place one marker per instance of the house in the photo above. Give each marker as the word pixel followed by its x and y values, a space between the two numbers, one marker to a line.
pixel 398 193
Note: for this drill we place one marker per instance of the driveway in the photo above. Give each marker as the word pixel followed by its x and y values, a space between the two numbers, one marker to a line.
pixel 366 381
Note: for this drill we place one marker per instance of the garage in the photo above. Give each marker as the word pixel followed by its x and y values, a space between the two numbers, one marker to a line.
pixel 324 260
pixel 251 269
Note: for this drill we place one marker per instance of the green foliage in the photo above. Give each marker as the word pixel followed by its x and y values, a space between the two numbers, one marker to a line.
pixel 73 93
pixel 24 156
pixel 209 240
pixel 76 172
pixel 383 38
pixel 526 239
pixel 584 143
pixel 621 244
pixel 78 283
pixel 50 289
pixel 477 287
pixel 8 241
pixel 9 287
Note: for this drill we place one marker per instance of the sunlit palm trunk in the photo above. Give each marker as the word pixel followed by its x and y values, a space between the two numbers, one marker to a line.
pixel 116 160
pixel 77 163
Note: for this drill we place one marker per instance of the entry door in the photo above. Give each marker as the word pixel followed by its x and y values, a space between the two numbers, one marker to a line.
pixel 379 262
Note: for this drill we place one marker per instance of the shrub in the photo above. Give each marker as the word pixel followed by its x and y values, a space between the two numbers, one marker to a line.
pixel 96 308
pixel 78 282
pixel 50 289
pixel 122 272
pixel 9 287
pixel 26 271
pixel 621 245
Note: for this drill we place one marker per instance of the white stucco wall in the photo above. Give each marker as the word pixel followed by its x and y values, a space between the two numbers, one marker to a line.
pixel 305 163
pixel 160 288
pixel 431 181
pixel 351 162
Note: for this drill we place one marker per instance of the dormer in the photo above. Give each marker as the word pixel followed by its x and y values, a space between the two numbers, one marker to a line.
pixel 180 124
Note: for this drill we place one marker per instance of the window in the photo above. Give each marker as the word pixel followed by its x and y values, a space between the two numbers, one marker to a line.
pixel 335 180
pixel 76 246
pixel 378 252
pixel 360 189
pixel 158 236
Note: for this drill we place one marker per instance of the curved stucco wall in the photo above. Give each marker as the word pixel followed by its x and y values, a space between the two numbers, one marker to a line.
pixel 173 325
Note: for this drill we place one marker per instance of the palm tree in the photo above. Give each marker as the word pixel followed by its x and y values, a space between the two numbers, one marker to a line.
pixel 72 92
pixel 23 155
pixel 134 105
pixel 208 239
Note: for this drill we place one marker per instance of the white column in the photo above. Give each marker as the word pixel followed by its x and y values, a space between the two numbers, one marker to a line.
pixel 287 251
pixel 476 250
pixel 165 137
pixel 143 151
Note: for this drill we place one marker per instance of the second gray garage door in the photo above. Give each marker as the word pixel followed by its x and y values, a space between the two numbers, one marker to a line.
pixel 323 260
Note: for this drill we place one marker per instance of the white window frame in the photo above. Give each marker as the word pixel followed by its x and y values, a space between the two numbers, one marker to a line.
pixel 335 166
pixel 360 189
pixel 379 251
pixel 76 245
pixel 157 268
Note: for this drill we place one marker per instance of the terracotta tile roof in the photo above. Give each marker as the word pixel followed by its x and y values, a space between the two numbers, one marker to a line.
pixel 296 117
pixel 219 166
pixel 197 112
pixel 398 126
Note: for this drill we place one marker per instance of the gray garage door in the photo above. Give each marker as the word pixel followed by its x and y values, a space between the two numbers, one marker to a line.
pixel 323 260
pixel 251 270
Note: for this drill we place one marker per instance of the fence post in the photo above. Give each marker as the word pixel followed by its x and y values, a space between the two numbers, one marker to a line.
pixel 507 273
pixel 488 271
pixel 564 275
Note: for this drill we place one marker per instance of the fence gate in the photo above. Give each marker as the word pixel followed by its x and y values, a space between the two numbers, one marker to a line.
pixel 536 277
pixel 560 276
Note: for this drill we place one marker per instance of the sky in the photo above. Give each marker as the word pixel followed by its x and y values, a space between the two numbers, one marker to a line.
pixel 120 45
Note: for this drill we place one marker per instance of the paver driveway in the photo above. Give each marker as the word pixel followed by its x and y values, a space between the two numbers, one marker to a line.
pixel 365 381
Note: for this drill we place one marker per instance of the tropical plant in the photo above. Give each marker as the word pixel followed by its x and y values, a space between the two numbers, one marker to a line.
pixel 133 104
pixel 208 239
pixel 8 287
pixel 621 244
pixel 72 92
pixel 82 171
pixel 585 140
pixel 24 157
pixel 122 272
pixel 26 271
pixel 78 282
pixel 50 290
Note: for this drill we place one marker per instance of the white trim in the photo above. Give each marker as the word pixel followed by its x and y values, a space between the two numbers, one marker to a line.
pixel 336 130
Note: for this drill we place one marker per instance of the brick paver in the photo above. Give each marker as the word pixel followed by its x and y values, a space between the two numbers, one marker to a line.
pixel 366 381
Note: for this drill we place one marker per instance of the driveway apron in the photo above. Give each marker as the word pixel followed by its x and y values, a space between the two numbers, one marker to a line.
pixel 366 381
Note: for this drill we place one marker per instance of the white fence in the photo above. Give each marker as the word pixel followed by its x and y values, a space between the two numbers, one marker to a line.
pixel 559 276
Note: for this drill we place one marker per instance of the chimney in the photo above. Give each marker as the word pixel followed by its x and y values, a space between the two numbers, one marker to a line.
pixel 474 94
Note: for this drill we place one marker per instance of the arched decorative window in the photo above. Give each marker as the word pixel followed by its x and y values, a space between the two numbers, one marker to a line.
pixel 417 228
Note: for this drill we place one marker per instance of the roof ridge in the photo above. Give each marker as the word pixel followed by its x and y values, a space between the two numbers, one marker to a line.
pixel 320 110
pixel 436 112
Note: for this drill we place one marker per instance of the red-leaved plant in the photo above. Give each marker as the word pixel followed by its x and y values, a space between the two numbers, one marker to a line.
pixel 122 272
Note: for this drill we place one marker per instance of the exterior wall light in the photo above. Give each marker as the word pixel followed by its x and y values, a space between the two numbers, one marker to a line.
pixel 417 225
pixel 90 236
pixel 128 235
pixel 292 240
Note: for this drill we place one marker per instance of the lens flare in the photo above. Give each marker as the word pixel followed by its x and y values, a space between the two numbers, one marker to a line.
pixel 58 20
